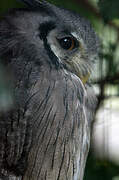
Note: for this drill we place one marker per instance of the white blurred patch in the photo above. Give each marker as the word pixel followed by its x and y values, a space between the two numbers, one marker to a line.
pixel 6 102
pixel 106 131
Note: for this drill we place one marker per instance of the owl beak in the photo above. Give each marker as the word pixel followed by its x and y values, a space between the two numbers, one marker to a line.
pixel 85 78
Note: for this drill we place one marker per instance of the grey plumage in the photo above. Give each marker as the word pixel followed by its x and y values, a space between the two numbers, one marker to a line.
pixel 46 134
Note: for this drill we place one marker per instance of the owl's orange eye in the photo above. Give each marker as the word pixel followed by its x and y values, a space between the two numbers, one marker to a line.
pixel 68 43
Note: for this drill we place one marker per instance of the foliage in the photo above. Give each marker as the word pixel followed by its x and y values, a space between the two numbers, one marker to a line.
pixel 109 9
pixel 5 5
pixel 97 169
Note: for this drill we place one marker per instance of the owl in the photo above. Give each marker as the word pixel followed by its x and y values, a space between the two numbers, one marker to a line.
pixel 48 53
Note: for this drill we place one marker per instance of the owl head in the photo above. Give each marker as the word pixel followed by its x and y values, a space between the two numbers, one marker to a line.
pixel 50 36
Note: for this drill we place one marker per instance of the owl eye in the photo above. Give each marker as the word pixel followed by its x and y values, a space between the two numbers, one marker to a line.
pixel 68 43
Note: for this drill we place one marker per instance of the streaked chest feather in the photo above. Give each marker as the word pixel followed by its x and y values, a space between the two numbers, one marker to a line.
pixel 60 126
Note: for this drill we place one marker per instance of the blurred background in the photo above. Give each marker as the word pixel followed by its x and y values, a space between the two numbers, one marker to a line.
pixel 103 159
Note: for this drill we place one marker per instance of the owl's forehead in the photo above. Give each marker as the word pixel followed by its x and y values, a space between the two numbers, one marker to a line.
pixel 62 18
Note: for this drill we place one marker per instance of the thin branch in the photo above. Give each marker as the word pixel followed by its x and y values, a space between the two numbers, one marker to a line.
pixel 108 80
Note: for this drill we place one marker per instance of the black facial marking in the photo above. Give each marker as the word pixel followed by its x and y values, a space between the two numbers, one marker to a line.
pixel 45 28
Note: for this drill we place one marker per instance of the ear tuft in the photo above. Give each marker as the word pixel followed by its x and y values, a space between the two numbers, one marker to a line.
pixel 39 5
pixel 32 3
